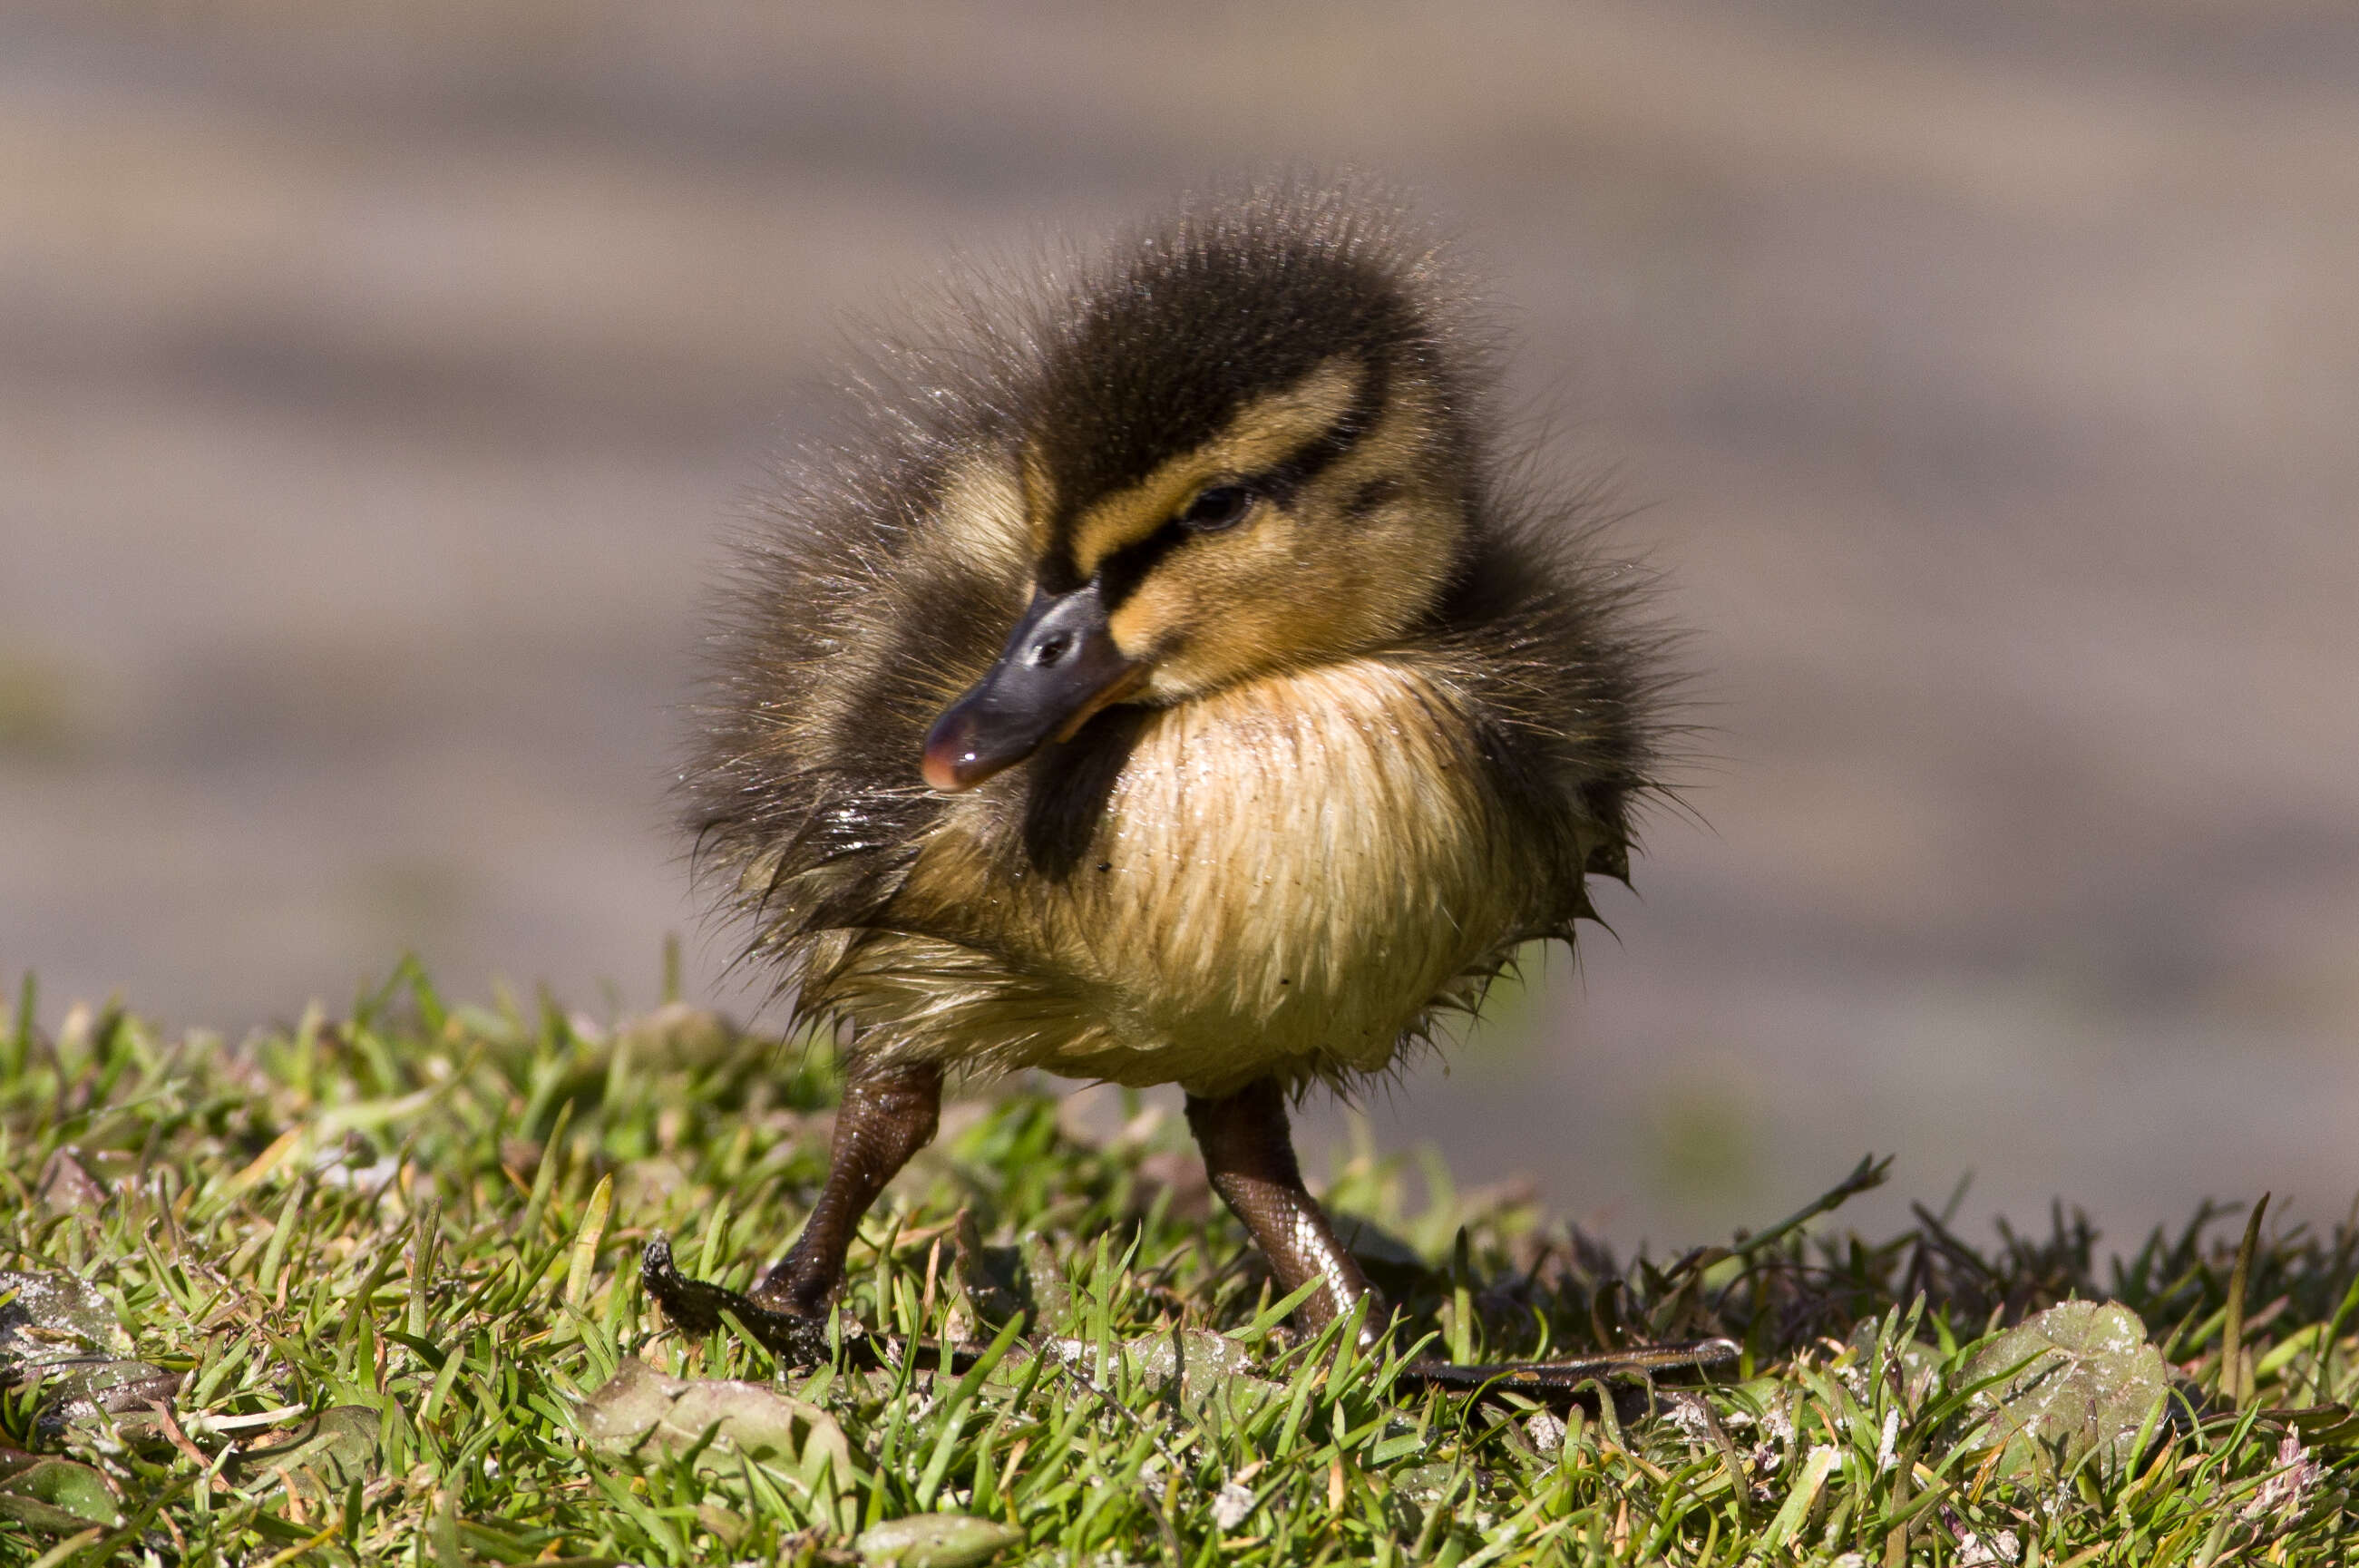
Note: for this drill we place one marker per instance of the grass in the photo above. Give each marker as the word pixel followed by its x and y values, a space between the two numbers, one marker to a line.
pixel 384 1259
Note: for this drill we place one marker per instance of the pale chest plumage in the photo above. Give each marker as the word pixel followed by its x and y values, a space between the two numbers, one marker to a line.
pixel 1283 877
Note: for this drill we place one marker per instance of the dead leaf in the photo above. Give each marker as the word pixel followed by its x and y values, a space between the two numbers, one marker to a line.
pixel 936 1540
pixel 2089 1379
pixel 64 1187
pixel 59 1328
pixel 56 1495
pixel 639 1406
pixel 322 1458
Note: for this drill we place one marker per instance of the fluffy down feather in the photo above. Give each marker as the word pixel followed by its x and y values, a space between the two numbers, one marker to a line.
pixel 1289 875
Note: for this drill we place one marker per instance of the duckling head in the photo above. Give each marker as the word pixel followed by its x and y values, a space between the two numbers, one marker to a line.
pixel 1245 447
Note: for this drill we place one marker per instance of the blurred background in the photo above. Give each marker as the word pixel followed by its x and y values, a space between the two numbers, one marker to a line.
pixel 379 382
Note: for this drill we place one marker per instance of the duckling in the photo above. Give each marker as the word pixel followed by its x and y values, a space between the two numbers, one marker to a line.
pixel 1163 682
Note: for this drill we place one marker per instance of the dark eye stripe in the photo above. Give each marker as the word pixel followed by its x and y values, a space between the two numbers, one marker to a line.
pixel 1121 571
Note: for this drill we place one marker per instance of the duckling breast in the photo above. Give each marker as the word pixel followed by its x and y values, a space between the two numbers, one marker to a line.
pixel 1287 876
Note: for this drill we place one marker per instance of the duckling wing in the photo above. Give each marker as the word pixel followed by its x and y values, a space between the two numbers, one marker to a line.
pixel 877 590
pixel 1564 684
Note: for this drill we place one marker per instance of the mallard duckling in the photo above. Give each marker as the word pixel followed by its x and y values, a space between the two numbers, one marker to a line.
pixel 1162 683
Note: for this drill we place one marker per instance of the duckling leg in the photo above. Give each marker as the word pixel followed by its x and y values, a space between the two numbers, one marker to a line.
pixel 888 1114
pixel 1249 1156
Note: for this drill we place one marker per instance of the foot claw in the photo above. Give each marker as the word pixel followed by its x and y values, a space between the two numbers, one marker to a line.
pixel 696 1305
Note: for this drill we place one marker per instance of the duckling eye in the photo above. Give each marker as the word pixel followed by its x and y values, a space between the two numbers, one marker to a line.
pixel 1216 507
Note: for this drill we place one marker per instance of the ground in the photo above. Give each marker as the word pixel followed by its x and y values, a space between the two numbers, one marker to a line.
pixel 365 1288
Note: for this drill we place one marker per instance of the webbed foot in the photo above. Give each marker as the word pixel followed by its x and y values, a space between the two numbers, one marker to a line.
pixel 695 1307
pixel 797 1339
pixel 1559 1380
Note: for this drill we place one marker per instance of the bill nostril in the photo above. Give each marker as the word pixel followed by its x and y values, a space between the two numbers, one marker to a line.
pixel 1051 650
